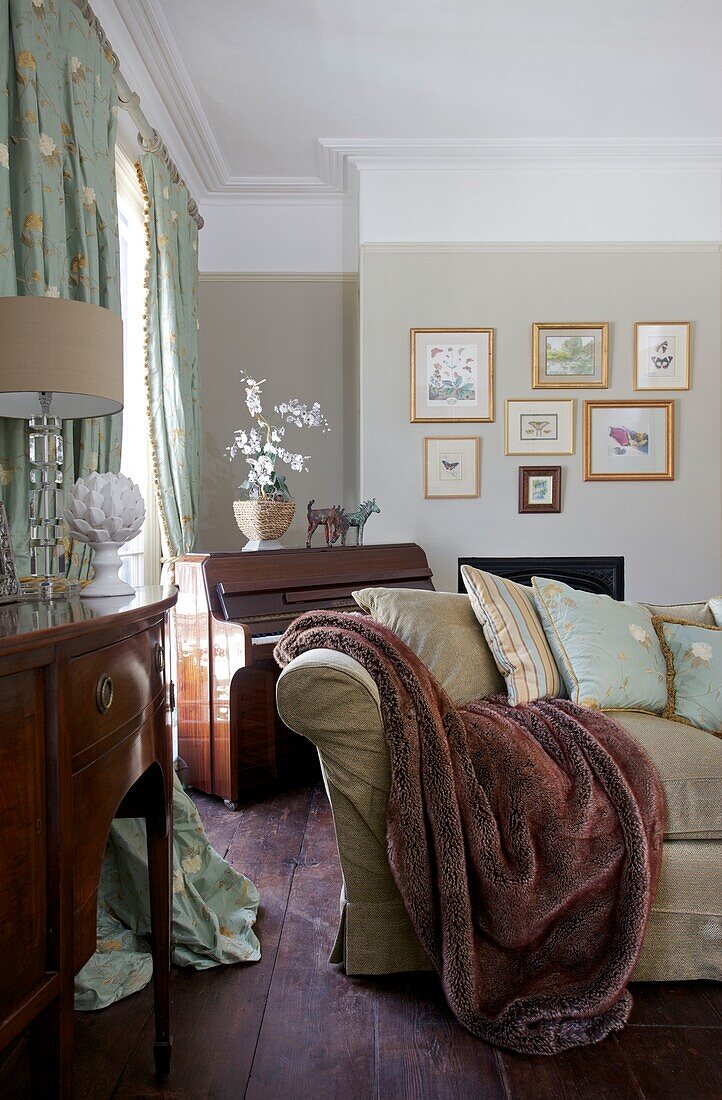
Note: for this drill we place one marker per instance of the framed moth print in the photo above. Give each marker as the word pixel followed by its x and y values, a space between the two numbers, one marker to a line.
pixel 452 375
pixel 539 426
pixel 628 440
pixel 540 489
pixel 661 355
pixel 570 355
pixel 451 467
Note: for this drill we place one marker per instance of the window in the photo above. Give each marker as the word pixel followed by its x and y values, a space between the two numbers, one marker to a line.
pixel 141 557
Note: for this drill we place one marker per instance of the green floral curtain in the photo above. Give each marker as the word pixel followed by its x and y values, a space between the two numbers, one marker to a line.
pixel 58 213
pixel 172 353
pixel 214 909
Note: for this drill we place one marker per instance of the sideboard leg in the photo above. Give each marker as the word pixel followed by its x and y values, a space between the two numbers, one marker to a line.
pixel 159 871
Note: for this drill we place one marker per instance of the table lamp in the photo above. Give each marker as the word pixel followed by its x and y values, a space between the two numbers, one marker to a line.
pixel 59 360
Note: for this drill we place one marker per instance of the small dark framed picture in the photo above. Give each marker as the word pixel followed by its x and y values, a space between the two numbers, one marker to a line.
pixel 540 489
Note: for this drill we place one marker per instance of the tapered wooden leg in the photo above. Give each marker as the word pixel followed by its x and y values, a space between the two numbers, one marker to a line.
pixel 159 874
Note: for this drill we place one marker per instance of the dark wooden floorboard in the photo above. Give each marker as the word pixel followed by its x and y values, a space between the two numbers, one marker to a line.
pixel 675 1004
pixel 217 1013
pixel 713 995
pixel 421 1052
pixel 105 1041
pixel 588 1073
pixel 293 1027
pixel 220 824
pixel 317 1038
pixel 674 1063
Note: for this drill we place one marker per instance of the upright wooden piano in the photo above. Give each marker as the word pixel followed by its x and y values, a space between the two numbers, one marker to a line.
pixel 231 611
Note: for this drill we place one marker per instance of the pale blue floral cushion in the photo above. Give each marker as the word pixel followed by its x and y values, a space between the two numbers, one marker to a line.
pixel 715 606
pixel 607 651
pixel 694 662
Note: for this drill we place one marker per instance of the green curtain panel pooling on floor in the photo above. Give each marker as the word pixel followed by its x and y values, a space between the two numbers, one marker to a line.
pixel 214 909
pixel 58 211
pixel 171 333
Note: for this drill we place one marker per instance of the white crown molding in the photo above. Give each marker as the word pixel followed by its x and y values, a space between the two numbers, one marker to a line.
pixel 541 246
pixel 278 276
pixel 149 36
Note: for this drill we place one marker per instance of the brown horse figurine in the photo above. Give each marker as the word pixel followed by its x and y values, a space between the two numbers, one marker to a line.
pixel 331 519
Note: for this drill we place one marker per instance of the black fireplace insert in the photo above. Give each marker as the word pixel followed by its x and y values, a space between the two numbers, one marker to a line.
pixel 604 576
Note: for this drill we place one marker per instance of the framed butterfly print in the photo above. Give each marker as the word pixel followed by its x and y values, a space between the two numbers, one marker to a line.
pixel 452 375
pixel 539 426
pixel 451 467
pixel 628 440
pixel 662 355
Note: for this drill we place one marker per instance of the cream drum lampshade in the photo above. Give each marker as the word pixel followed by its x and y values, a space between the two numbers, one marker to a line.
pixel 73 350
pixel 59 360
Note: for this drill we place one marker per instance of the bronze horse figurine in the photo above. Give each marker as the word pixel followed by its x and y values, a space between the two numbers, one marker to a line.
pixel 358 519
pixel 331 519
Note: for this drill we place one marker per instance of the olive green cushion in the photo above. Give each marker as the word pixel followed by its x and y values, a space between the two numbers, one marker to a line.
pixel 691 612
pixel 442 630
pixel 688 762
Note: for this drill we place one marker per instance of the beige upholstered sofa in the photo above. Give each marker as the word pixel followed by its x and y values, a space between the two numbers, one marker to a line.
pixel 332 700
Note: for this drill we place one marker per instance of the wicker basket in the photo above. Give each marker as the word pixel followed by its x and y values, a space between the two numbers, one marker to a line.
pixel 264 519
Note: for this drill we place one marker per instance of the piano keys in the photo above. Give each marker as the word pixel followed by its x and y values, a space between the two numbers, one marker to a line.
pixel 232 609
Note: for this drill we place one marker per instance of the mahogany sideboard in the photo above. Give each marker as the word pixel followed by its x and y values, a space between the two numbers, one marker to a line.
pixel 84 737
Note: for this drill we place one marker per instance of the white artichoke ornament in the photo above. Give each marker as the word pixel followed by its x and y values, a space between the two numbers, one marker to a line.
pixel 105 510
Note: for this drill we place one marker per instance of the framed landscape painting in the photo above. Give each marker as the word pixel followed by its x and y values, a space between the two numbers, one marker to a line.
pixel 662 355
pixel 539 426
pixel 569 355
pixel 452 375
pixel 451 467
pixel 628 440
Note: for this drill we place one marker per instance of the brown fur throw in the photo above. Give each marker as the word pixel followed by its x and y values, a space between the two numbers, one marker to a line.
pixel 525 842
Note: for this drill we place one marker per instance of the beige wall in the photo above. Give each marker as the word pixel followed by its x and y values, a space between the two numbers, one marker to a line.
pixel 301 333
pixel 668 532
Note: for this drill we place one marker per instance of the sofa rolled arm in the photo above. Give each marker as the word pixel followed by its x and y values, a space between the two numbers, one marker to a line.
pixel 331 699
pixel 323 693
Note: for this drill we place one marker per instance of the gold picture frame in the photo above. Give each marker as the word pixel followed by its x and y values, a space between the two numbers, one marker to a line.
pixel 464 474
pixel 484 376
pixel 513 443
pixel 540 379
pixel 598 463
pixel 662 383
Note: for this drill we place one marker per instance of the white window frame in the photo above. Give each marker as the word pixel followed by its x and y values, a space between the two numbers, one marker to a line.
pixel 141 557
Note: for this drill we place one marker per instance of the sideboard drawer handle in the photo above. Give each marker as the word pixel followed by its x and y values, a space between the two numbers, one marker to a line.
pixel 159 657
pixel 104 694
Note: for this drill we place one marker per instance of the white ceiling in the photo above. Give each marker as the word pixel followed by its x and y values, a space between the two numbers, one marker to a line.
pixel 254 85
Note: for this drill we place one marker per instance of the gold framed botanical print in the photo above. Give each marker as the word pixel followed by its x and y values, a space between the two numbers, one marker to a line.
pixel 539 426
pixel 662 356
pixel 452 375
pixel 451 467
pixel 571 355
pixel 628 440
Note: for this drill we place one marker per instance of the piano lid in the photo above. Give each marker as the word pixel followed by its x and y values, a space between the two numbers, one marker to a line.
pixel 267 589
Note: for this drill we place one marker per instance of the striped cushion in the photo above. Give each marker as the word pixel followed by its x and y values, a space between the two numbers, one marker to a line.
pixel 515 636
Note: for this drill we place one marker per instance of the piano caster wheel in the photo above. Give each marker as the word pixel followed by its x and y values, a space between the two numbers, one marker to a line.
pixel 231 805
pixel 161 1056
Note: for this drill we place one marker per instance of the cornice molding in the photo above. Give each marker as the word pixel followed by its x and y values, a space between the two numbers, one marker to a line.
pixel 541 246
pixel 152 38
